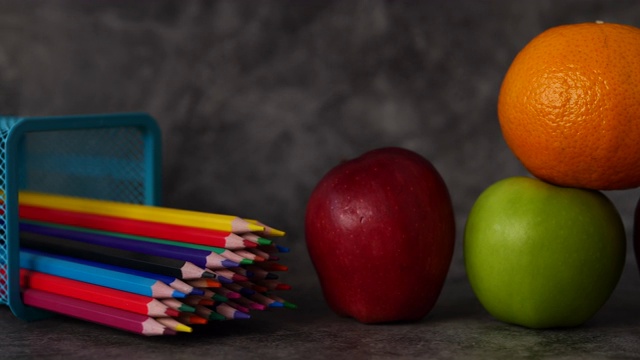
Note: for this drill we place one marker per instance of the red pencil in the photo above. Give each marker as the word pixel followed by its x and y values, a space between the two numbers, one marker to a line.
pixel 100 314
pixel 138 304
pixel 150 229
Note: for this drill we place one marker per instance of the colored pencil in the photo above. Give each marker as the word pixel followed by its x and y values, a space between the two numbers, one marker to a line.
pixel 253 286
pixel 140 212
pixel 257 239
pixel 256 272
pixel 134 260
pixel 229 312
pixel 215 296
pixel 264 300
pixel 263 254
pixel 229 294
pixel 240 289
pixel 239 307
pixel 220 254
pixel 144 305
pixel 192 319
pixel 231 275
pixel 209 314
pixel 250 304
pixel 287 304
pixel 204 283
pixel 178 305
pixel 41 262
pixel 249 255
pixel 158 230
pixel 198 300
pixel 199 258
pixel 274 248
pixel 174 324
pixel 100 314
pixel 266 230
pixel 171 281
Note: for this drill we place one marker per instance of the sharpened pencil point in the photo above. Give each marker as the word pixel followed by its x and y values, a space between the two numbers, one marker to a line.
pixel 276 304
pixel 264 241
pixel 178 295
pixel 215 316
pixel 224 280
pixel 187 308
pixel 172 312
pixel 249 244
pixel 246 262
pixel 229 264
pixel 220 298
pixel 183 328
pixel 282 249
pixel 196 291
pixel 289 305
pixel 239 315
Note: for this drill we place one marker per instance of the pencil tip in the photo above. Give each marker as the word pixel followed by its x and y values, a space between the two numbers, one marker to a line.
pixel 264 241
pixel 226 263
pixel 178 295
pixel 183 328
pixel 249 244
pixel 196 291
pixel 289 305
pixel 172 312
pixel 241 316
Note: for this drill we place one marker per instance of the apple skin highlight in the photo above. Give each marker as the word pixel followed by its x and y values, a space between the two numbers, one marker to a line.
pixel 380 232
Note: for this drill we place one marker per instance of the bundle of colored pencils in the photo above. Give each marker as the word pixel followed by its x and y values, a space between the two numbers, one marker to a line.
pixel 145 269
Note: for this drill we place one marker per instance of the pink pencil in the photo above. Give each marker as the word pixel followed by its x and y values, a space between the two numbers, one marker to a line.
pixel 100 314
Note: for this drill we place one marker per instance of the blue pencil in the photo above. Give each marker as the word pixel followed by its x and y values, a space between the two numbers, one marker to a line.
pixel 171 281
pixel 201 258
pixel 42 262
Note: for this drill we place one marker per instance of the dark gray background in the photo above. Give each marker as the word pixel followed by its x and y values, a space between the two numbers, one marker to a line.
pixel 258 99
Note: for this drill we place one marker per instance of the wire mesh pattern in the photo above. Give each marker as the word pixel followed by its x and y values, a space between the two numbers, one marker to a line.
pixel 101 161
pixel 6 123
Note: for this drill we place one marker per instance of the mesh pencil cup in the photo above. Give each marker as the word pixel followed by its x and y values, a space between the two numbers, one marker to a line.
pixel 108 156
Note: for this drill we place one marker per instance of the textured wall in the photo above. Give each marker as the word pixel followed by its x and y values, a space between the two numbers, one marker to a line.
pixel 258 99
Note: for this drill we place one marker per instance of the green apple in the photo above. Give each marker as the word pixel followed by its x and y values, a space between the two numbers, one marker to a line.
pixel 543 256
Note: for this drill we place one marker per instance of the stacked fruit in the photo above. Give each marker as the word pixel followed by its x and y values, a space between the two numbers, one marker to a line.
pixel 548 252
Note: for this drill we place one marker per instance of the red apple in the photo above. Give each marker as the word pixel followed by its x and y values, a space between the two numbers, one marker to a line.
pixel 380 232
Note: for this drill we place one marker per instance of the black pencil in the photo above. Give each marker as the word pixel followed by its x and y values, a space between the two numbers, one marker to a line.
pixel 151 263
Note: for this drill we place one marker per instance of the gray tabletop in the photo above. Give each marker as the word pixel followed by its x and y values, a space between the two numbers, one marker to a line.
pixel 256 101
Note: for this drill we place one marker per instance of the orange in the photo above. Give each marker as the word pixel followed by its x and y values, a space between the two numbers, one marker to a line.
pixel 569 106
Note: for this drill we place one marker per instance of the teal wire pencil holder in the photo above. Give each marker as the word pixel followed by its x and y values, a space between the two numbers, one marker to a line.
pixel 106 156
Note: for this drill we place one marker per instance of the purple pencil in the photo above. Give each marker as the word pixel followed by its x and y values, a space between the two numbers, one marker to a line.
pixel 100 314
pixel 200 258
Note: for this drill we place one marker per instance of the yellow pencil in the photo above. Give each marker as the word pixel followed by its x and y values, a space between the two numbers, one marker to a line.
pixel 268 230
pixel 140 212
